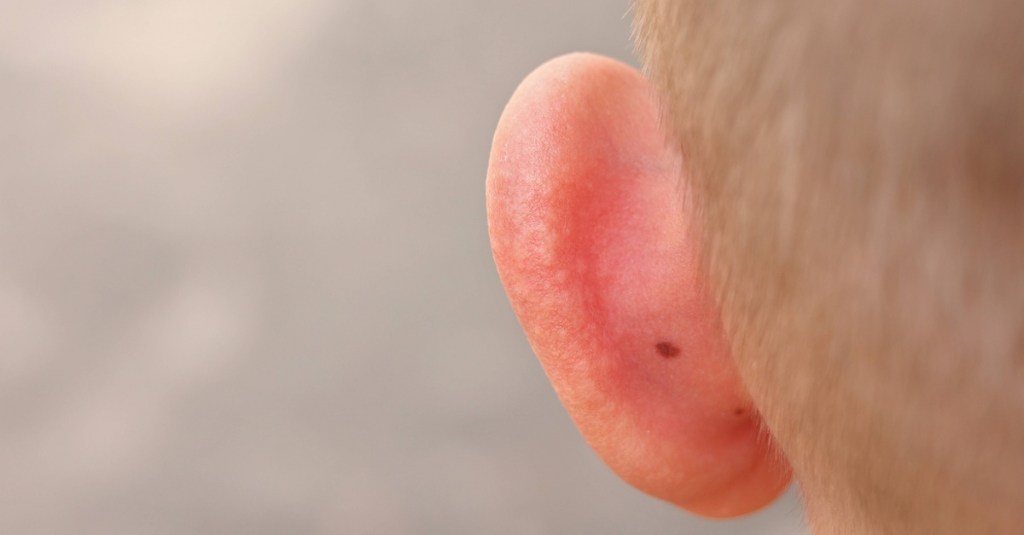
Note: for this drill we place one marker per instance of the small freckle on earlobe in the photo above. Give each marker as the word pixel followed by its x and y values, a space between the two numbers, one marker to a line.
pixel 667 349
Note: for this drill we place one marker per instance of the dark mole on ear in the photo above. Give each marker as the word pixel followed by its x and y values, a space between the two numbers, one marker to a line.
pixel 666 349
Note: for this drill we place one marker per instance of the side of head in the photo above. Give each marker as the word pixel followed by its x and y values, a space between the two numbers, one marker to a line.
pixel 802 245
pixel 860 170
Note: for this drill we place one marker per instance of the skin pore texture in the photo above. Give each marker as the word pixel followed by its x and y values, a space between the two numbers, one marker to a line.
pixel 795 245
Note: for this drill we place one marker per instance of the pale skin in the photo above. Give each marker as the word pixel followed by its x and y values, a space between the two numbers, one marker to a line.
pixel 600 240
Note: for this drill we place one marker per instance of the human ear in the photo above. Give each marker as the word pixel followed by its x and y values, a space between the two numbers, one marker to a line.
pixel 596 241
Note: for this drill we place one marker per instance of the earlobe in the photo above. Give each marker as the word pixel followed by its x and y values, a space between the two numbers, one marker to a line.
pixel 595 241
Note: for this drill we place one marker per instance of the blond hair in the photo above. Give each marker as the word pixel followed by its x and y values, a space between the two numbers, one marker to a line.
pixel 860 171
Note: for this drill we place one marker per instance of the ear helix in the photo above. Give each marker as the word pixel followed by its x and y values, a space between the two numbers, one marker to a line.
pixel 598 249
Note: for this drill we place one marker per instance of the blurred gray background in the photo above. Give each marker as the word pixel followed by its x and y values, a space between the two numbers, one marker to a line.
pixel 245 284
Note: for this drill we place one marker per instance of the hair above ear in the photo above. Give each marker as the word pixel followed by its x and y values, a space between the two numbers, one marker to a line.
pixel 598 249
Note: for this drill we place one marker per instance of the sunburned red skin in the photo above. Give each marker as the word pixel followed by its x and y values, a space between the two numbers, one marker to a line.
pixel 593 239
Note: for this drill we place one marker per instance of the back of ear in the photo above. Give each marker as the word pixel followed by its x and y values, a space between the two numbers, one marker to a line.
pixel 596 244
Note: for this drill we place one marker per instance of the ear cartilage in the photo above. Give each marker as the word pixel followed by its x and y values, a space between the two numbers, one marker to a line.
pixel 598 248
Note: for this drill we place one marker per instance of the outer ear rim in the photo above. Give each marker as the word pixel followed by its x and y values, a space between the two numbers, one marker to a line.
pixel 566 221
